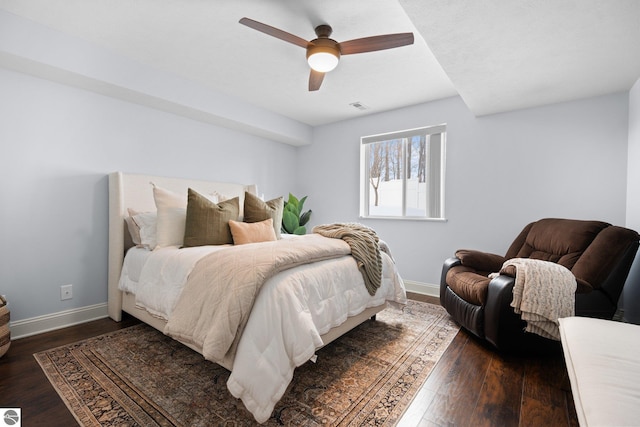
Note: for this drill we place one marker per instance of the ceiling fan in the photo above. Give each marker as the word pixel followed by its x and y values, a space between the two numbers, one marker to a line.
pixel 324 53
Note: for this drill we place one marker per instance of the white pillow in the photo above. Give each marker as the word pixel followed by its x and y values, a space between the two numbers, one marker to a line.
pixel 145 223
pixel 216 197
pixel 172 215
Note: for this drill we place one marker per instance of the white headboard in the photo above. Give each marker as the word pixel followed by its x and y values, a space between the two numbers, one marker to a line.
pixel 135 191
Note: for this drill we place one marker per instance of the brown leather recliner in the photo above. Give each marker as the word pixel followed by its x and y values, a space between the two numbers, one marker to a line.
pixel 598 254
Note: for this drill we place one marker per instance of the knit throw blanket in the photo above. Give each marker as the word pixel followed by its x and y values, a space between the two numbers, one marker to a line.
pixel 364 244
pixel 543 292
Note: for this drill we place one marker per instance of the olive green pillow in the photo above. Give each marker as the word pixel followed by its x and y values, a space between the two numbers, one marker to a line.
pixel 255 210
pixel 207 222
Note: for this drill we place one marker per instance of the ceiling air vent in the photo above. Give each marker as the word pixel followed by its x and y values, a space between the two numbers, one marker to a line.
pixel 359 106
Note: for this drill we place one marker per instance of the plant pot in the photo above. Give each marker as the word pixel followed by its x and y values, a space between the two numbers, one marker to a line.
pixel 5 332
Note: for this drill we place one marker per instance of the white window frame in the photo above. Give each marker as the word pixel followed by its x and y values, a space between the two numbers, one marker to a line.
pixel 434 167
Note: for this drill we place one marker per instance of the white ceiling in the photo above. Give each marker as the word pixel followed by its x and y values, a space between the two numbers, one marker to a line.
pixel 503 55
pixel 498 55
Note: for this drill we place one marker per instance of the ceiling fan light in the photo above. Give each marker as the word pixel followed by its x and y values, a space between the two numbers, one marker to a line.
pixel 323 54
pixel 323 61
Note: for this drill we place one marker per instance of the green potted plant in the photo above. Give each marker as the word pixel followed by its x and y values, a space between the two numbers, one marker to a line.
pixel 293 219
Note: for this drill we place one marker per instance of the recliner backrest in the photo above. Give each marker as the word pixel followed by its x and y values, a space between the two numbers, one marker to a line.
pixel 604 254
pixel 590 249
pixel 559 240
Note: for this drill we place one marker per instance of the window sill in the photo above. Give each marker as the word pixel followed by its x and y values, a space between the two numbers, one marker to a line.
pixel 401 218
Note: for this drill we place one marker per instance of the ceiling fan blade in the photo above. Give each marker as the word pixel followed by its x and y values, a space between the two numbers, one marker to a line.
pixel 370 44
pixel 274 32
pixel 315 80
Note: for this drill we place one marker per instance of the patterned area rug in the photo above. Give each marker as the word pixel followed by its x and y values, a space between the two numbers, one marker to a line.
pixel 138 376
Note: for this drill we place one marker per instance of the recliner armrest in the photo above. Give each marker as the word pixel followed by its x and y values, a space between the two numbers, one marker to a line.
pixel 482 261
pixel 500 321
pixel 504 328
pixel 448 264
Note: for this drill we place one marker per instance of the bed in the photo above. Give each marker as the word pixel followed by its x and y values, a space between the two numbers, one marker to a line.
pixel 264 358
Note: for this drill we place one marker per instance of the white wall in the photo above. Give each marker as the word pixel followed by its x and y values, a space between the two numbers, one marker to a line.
pixel 631 295
pixel 502 171
pixel 57 145
pixel 633 171
pixel 34 49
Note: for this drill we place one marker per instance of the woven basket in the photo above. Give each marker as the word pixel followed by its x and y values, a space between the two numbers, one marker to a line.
pixel 5 332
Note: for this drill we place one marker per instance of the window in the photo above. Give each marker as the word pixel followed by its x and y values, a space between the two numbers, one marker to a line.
pixel 402 174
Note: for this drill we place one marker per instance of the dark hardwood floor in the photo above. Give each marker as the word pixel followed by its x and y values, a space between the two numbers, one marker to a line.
pixel 470 386
pixel 473 385
pixel 24 385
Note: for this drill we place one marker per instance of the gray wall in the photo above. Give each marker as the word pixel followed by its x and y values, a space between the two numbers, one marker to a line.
pixel 502 171
pixel 58 144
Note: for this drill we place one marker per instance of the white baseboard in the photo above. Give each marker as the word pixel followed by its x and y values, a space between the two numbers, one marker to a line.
pixel 62 319
pixel 50 322
pixel 422 288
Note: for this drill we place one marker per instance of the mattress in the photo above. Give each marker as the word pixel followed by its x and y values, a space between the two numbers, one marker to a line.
pixel 603 363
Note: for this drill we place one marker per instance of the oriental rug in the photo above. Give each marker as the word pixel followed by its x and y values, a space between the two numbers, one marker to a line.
pixel 138 376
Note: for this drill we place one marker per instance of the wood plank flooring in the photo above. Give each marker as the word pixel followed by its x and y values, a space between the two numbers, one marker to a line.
pixel 24 385
pixel 471 385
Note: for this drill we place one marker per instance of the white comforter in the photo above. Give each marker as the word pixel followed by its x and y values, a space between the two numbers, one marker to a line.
pixel 161 277
pixel 292 310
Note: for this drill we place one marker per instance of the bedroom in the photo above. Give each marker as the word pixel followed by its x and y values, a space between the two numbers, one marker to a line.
pixel 60 141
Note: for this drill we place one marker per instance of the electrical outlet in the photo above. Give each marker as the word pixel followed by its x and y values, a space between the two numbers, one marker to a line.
pixel 66 292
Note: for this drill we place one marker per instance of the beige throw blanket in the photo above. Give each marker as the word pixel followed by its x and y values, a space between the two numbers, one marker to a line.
pixel 365 248
pixel 216 301
pixel 543 292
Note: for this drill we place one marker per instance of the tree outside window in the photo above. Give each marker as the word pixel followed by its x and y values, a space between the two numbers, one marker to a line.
pixel 402 174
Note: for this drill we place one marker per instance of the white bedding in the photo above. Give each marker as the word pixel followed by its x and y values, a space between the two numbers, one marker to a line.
pixel 131 269
pixel 603 362
pixel 292 310
pixel 161 276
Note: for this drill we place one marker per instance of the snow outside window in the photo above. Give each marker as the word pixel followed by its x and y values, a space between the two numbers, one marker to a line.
pixel 402 174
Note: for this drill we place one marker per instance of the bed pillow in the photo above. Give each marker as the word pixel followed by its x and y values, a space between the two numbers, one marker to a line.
pixel 172 212
pixel 142 227
pixel 254 232
pixel 134 230
pixel 256 210
pixel 217 197
pixel 171 209
pixel 207 223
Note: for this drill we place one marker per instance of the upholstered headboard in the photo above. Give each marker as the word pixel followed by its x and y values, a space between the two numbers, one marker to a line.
pixel 135 191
